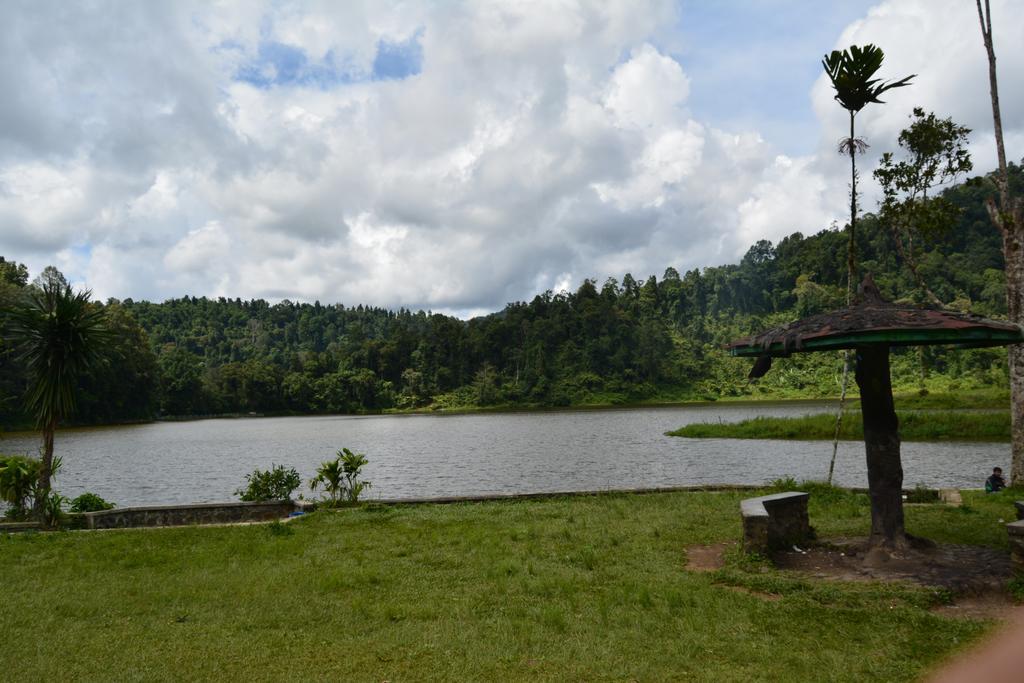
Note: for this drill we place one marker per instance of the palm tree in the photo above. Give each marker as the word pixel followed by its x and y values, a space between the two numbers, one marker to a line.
pixel 352 465
pixel 852 74
pixel 340 477
pixel 59 333
pixel 330 474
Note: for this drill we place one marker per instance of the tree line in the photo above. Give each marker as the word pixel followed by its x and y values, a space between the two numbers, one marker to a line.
pixel 606 342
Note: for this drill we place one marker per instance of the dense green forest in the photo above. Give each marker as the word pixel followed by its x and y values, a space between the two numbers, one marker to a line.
pixel 614 341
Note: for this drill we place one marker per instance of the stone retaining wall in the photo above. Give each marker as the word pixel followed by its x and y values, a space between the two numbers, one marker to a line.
pixel 185 515
pixel 775 521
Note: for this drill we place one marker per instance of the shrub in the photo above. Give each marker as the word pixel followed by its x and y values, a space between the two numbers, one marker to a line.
pixel 277 483
pixel 340 477
pixel 18 477
pixel 922 494
pixel 90 502
pixel 53 509
pixel 276 528
pixel 784 484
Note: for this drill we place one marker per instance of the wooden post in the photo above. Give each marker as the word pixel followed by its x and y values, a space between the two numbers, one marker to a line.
pixel 882 445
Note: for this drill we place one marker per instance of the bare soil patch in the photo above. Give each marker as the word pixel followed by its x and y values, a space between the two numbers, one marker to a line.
pixel 975 577
pixel 707 558
pixel 961 569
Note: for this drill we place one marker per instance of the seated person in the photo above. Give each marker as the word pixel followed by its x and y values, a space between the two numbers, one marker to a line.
pixel 995 482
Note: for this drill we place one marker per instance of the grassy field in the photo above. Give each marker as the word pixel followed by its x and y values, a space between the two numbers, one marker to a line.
pixel 924 425
pixel 578 588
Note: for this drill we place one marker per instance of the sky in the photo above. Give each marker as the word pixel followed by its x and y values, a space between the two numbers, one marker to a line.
pixel 451 156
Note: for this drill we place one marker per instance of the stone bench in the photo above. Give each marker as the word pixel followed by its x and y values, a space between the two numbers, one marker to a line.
pixel 776 521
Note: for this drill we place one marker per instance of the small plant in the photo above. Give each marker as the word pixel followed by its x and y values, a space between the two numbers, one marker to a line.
pixel 18 478
pixel 331 476
pixel 277 483
pixel 276 528
pixel 922 494
pixel 340 477
pixel 1016 588
pixel 19 486
pixel 784 484
pixel 90 502
pixel 53 509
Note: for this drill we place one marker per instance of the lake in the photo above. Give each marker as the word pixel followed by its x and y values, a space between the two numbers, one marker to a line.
pixel 441 455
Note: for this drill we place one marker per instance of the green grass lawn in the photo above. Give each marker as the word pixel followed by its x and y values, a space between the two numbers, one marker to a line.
pixel 924 425
pixel 575 588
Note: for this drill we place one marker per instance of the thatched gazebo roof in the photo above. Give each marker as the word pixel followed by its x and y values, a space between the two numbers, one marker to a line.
pixel 872 321
pixel 871 326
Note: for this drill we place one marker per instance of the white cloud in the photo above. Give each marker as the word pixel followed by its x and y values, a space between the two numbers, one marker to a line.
pixel 201 249
pixel 647 90
pixel 540 143
pixel 790 197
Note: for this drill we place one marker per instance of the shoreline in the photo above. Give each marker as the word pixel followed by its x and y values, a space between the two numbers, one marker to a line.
pixel 852 401
pixel 22 430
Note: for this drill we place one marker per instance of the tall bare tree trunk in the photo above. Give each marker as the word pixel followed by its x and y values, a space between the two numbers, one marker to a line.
pixel 1008 216
pixel 1013 251
pixel 851 268
pixel 851 247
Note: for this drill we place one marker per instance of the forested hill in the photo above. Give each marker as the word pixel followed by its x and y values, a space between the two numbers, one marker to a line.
pixel 609 341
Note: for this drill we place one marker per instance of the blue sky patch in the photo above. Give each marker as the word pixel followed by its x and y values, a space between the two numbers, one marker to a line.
pixel 752 64
pixel 395 61
pixel 280 64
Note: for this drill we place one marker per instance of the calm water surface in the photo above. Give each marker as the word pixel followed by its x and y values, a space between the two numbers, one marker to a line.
pixel 436 455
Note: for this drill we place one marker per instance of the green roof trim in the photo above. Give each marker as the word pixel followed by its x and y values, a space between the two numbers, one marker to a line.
pixel 964 337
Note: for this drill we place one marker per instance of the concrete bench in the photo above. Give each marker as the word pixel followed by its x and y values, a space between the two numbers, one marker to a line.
pixel 776 521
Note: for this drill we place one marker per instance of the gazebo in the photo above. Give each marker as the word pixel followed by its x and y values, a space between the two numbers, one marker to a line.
pixel 870 327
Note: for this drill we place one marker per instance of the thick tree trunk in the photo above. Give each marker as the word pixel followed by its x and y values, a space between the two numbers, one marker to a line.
pixel 45 470
pixel 882 445
pixel 1009 218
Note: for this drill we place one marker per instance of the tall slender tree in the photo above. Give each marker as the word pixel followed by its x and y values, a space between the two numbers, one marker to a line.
pixel 1007 213
pixel 852 72
pixel 58 333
